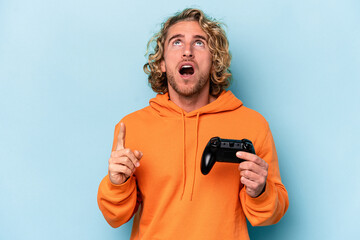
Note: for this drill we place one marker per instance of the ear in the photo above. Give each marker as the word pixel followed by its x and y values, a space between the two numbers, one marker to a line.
pixel 163 66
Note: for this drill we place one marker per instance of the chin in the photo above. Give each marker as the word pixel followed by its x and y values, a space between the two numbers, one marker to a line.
pixel 187 87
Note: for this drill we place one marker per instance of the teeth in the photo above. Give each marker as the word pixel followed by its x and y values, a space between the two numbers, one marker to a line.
pixel 186 66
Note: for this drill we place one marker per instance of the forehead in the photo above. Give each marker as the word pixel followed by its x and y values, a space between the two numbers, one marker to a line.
pixel 191 28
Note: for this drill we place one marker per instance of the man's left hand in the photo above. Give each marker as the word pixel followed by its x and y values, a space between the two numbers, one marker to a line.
pixel 253 173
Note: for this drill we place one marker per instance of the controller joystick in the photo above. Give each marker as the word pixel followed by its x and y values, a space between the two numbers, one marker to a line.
pixel 223 150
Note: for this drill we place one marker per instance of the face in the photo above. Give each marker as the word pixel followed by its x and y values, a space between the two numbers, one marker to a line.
pixel 187 59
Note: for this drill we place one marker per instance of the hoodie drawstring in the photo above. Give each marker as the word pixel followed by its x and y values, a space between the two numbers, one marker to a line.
pixel 196 150
pixel 184 155
pixel 184 161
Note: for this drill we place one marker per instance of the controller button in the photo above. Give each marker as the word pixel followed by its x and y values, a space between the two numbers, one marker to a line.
pixel 215 142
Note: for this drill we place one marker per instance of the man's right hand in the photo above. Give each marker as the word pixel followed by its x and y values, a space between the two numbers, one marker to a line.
pixel 123 161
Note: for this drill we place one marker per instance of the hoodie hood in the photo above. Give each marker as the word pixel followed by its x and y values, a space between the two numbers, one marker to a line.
pixel 166 108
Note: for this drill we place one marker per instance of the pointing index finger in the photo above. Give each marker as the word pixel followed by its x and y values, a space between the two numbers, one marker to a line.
pixel 121 137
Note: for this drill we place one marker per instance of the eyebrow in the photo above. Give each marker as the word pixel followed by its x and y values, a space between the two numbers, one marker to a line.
pixel 175 36
pixel 201 37
pixel 182 35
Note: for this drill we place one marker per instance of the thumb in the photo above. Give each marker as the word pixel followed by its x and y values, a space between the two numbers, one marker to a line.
pixel 121 137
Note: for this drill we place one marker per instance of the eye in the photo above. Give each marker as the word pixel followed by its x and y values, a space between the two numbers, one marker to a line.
pixel 199 43
pixel 176 42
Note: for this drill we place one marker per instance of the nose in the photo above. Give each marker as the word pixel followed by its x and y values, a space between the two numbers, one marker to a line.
pixel 188 51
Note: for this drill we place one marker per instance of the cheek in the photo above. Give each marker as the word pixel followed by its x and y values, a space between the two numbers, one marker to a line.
pixel 207 60
pixel 210 64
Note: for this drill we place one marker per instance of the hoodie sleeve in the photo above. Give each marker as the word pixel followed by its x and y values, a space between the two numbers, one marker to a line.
pixel 271 205
pixel 118 203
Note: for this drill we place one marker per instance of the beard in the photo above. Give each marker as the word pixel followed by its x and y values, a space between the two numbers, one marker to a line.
pixel 187 91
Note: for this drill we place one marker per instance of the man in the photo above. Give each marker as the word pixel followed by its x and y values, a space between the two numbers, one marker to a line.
pixel 154 168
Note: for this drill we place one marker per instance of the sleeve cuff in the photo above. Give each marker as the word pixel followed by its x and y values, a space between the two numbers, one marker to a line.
pixel 120 188
pixel 263 199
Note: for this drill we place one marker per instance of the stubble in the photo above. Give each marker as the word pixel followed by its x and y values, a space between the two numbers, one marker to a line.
pixel 187 91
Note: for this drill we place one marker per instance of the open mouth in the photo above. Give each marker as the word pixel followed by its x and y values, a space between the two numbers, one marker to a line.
pixel 186 70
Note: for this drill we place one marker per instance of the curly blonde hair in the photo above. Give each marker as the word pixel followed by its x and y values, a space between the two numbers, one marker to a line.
pixel 220 75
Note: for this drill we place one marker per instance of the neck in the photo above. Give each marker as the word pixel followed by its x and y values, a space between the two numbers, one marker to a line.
pixel 193 102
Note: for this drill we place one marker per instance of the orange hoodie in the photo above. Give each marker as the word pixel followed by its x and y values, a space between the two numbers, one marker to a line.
pixel 168 194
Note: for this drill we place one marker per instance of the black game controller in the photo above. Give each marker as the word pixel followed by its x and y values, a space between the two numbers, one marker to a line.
pixel 223 150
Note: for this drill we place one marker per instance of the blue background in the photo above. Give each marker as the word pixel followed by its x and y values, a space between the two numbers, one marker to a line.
pixel 71 69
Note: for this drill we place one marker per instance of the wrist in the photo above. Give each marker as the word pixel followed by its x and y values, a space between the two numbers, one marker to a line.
pixel 262 191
